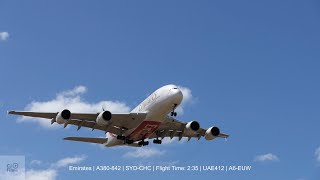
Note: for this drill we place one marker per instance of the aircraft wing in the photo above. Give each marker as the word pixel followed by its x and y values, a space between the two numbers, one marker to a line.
pixel 119 120
pixel 87 139
pixel 174 128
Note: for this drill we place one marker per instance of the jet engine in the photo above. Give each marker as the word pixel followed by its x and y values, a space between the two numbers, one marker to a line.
pixel 104 118
pixel 193 125
pixel 63 116
pixel 211 133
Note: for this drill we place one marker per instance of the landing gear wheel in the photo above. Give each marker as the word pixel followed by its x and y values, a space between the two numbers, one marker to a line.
pixel 121 137
pixel 143 143
pixel 173 113
pixel 157 141
pixel 128 141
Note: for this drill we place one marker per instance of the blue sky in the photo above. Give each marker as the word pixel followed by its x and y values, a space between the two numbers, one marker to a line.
pixel 252 67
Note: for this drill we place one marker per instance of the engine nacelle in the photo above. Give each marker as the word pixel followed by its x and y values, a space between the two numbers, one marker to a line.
pixel 211 133
pixel 193 125
pixel 63 116
pixel 104 118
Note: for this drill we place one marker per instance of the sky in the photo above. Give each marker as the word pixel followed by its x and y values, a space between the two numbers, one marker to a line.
pixel 249 67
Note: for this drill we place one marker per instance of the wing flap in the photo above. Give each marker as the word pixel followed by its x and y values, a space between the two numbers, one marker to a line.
pixel 94 125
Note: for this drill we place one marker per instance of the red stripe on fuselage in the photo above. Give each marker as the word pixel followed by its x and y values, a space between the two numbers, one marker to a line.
pixel 144 130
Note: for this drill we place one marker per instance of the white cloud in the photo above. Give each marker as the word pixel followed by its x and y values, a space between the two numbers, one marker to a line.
pixel 187 99
pixel 74 92
pixel 266 157
pixel 72 100
pixel 13 176
pixel 144 152
pixel 52 172
pixel 4 36
pixel 48 174
pixel 317 154
pixel 68 161
pixel 35 162
pixel 167 140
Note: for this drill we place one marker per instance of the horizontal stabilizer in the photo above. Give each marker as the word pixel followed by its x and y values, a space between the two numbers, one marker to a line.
pixel 86 139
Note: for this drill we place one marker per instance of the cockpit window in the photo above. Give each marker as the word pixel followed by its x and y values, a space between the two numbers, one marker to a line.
pixel 175 88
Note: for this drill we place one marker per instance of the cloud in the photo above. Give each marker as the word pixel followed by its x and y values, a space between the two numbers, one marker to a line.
pixel 187 99
pixel 4 36
pixel 52 172
pixel 168 140
pixel 72 100
pixel 144 152
pixel 68 161
pixel 317 154
pixel 266 157
pixel 74 92
pixel 48 174
pixel 35 162
pixel 13 176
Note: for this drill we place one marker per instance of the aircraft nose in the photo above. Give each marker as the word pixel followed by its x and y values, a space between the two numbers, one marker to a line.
pixel 177 95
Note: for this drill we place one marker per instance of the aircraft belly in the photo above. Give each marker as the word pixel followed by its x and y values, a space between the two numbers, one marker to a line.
pixel 156 115
pixel 144 130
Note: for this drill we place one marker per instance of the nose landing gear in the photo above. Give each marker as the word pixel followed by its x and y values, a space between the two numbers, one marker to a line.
pixel 173 113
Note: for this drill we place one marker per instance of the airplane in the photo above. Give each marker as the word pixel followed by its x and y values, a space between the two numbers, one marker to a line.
pixel 149 120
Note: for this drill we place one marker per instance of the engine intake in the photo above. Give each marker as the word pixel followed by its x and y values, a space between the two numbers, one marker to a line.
pixel 212 133
pixel 63 116
pixel 104 118
pixel 193 125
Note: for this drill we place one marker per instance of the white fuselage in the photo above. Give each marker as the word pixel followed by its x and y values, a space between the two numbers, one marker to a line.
pixel 157 106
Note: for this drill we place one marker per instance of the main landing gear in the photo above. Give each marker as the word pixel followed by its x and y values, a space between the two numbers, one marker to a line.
pixel 128 141
pixel 121 137
pixel 157 141
pixel 173 113
pixel 125 140
pixel 143 143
